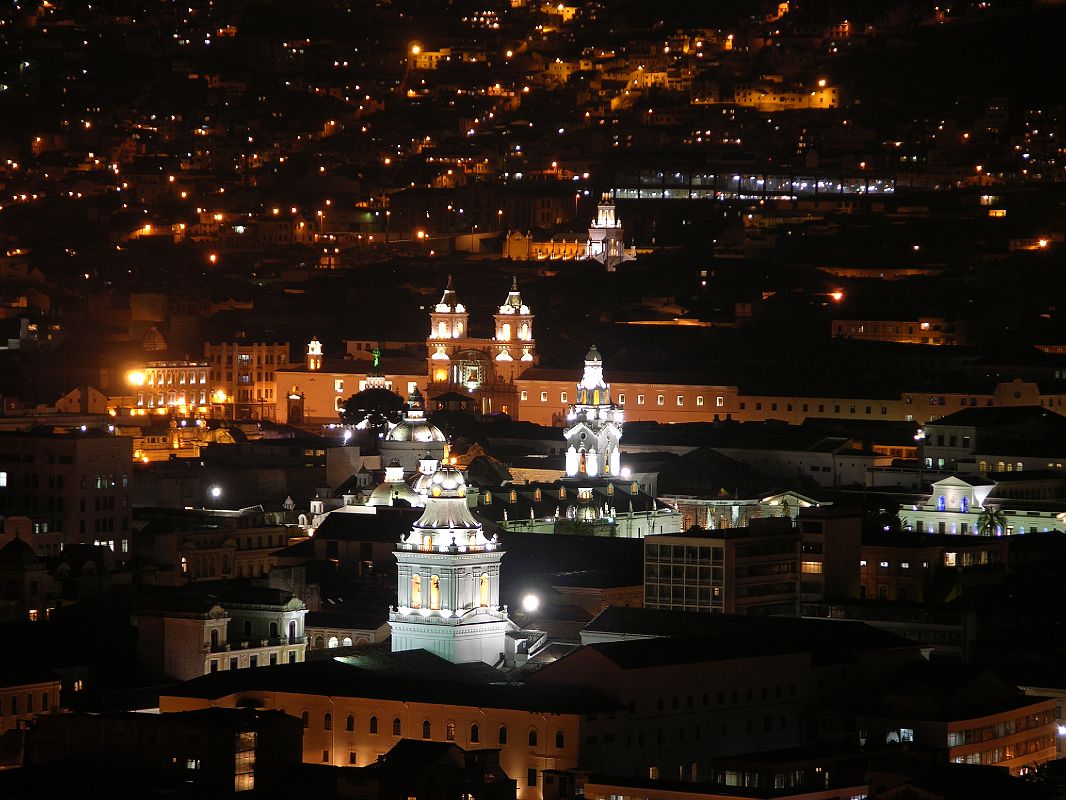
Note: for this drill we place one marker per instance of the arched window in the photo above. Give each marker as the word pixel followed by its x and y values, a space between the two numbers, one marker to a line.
pixel 503 734
pixel 1019 466
pixel 449 731
pixel 964 505
pixel 475 734
pixel 983 467
pixel 44 701
pixel 292 631
pixel 346 641
pixel 273 630
pixel 532 737
pixel 427 729
pixel 560 740
pixel 333 642
pixel 1001 467
pixel 327 722
pixel 484 602
pixel 247 627
pixel 505 332
pixel 214 638
pixel 306 718
pixel 373 724
pixel 442 330
pixel 397 728
pixel 434 592
pixel 416 591
pixel 941 503
pixel 320 642
pixel 349 722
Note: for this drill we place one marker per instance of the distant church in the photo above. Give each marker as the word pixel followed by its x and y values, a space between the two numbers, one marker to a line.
pixel 605 242
pixel 484 369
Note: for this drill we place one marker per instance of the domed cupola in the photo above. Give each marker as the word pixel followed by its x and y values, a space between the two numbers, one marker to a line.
pixel 447 519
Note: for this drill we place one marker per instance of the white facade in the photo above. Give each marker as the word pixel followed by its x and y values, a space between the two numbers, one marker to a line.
pixel 956 505
pixel 594 425
pixel 606 243
pixel 448 581
pixel 514 328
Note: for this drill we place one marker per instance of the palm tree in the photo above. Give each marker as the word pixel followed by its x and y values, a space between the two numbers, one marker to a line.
pixel 992 521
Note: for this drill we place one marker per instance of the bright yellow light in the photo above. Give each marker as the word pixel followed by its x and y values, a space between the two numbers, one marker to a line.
pixel 837 296
pixel 135 378
pixel 415 49
pixel 440 375
pixel 1042 243
pixel 213 258
pixel 219 396
pixel 821 83
pixel 421 234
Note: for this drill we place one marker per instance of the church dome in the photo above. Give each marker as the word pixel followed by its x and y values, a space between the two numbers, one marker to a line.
pixel 415 430
pixel 593 354
pixel 447 519
pixel 386 494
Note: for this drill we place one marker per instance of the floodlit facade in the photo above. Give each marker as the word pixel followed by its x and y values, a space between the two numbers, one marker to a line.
pixel 448 580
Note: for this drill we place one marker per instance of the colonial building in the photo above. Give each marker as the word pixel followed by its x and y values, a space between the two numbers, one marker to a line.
pixel 182 636
pixel 241 377
pixel 485 369
pixel 448 580
pixel 971 504
pixel 313 393
pixel 357 708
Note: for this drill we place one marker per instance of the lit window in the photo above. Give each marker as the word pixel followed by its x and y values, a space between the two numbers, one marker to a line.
pixel 640 399
pixel 719 401
pixel 562 397
pixel 525 395
pixel 3 479
pixel 699 400
pixel 680 399
pixel 884 565
pixel 811 567
pixel 622 400
pixel 338 385
pixel 544 397
pixel 661 399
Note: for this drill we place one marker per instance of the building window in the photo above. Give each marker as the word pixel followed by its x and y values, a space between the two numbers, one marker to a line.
pixel 532 737
pixel 559 740
pixel 373 724
pixel 699 400
pixel 525 395
pixel 531 776
pixel 562 397
pixel 621 398
pixel 811 567
pixel 640 399
pixel 681 400
pixel 449 731
pixel 349 722
pixel 427 729
pixel 544 397
pixel 327 722
pixel 475 734
pixel 397 727
pixel 306 718
pixel 503 734
pixel 661 399
pixel 338 385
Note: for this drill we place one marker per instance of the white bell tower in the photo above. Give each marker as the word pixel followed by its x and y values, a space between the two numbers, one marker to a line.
pixel 514 335
pixel 448 580
pixel 594 425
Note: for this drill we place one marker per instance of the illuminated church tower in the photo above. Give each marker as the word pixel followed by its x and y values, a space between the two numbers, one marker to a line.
pixel 514 336
pixel 448 319
pixel 448 580
pixel 606 243
pixel 594 425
